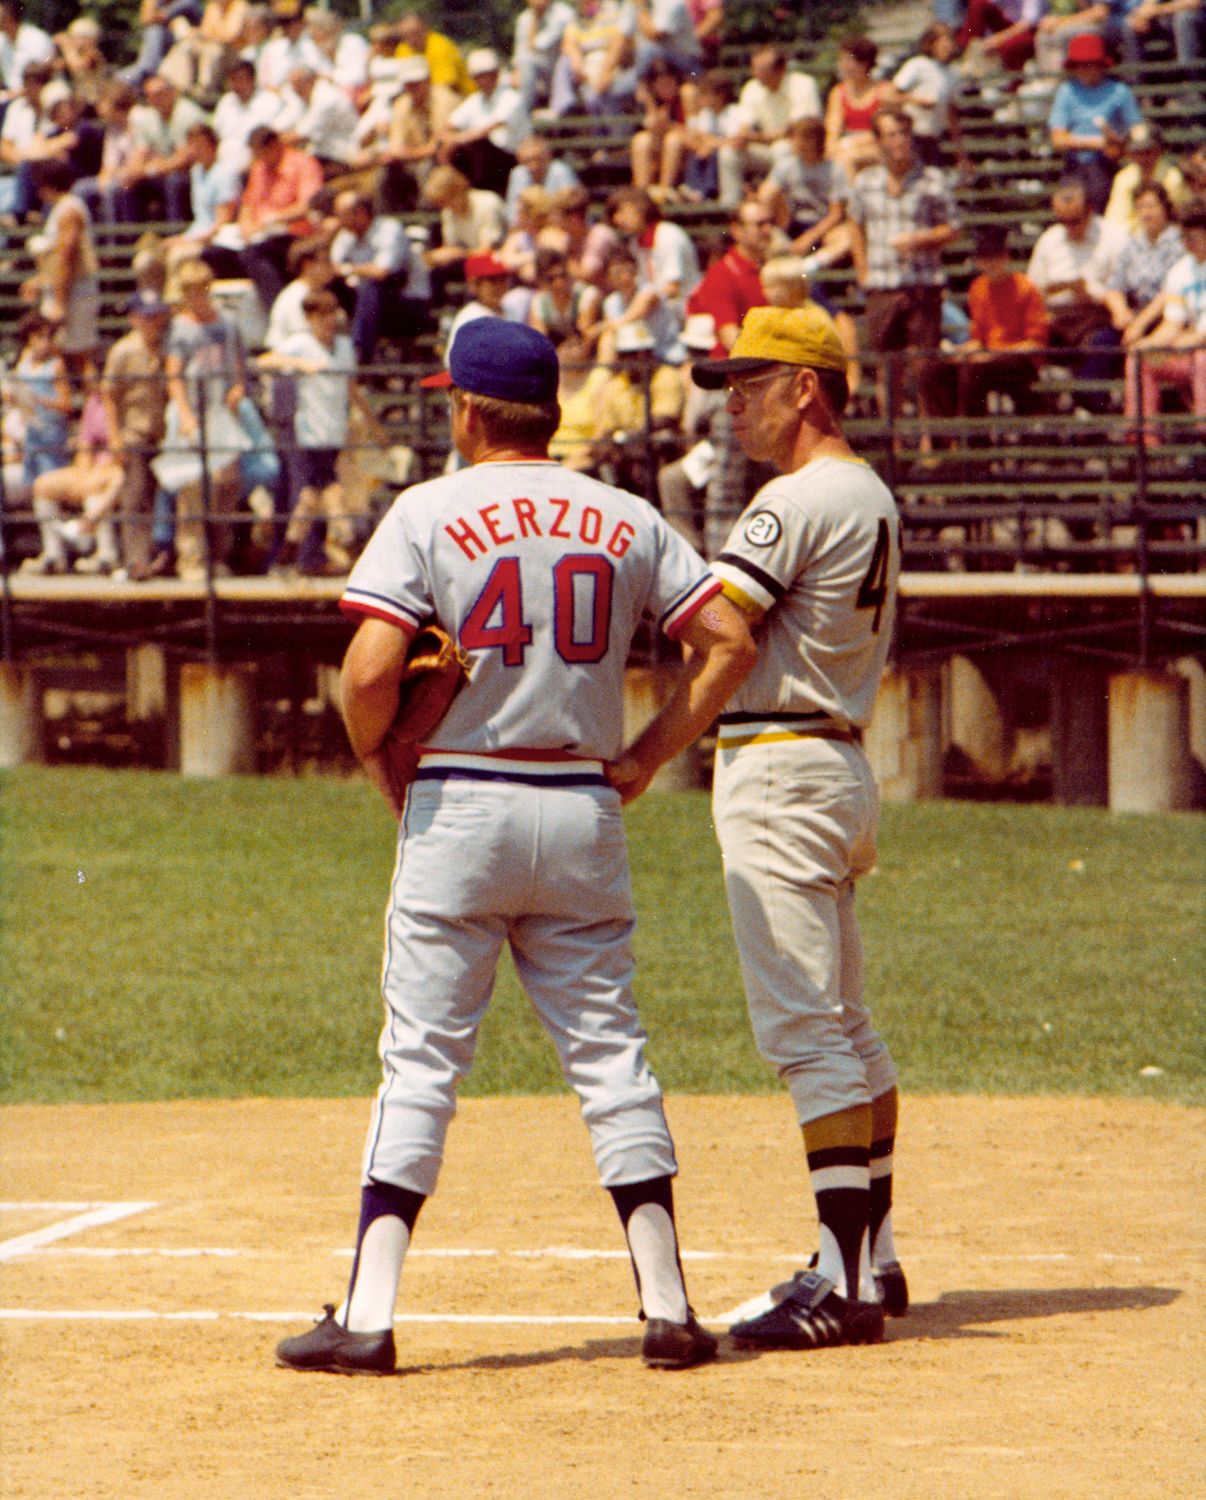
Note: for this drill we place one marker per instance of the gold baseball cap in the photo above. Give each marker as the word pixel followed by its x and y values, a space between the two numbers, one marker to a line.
pixel 776 336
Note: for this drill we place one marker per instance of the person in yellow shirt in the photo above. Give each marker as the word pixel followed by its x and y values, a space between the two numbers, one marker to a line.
pixel 450 80
pixel 578 393
pixel 639 409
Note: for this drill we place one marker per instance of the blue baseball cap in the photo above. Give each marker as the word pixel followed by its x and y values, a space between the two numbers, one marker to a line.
pixel 494 357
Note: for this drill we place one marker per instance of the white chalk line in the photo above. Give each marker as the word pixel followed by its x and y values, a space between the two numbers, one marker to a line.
pixel 93 1216
pixel 41 1242
pixel 120 1252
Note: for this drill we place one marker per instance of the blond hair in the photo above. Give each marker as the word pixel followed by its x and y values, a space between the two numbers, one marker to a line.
pixel 443 184
pixel 193 273
pixel 788 275
pixel 536 203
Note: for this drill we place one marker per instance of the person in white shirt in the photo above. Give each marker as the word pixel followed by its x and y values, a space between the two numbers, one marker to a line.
pixel 925 82
pixel 770 100
pixel 536 166
pixel 485 131
pixel 337 54
pixel 323 364
pixel 241 108
pixel 161 154
pixel 316 115
pixel 24 121
pixel 285 50
pixel 666 31
pixel 214 188
pixel 372 259
pixel 471 219
pixel 595 72
pixel 309 264
pixel 376 101
pixel 539 27
pixel 1071 265
pixel 665 253
pixel 21 43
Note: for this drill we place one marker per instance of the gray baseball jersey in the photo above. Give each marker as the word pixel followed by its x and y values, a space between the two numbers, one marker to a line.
pixel 543 575
pixel 817 553
pixel 511 831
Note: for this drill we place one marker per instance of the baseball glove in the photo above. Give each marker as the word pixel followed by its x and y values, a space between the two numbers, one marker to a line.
pixel 436 669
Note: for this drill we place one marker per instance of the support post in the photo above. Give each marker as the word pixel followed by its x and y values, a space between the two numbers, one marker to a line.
pixel 217 719
pixel 21 719
pixel 977 723
pixel 1194 672
pixel 904 739
pixel 146 683
pixel 1149 742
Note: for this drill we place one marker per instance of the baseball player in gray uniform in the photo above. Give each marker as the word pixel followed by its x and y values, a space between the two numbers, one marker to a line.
pixel 813 561
pixel 511 830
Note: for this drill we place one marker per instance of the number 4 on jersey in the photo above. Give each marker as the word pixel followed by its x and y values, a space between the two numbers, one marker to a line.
pixel 502 598
pixel 873 591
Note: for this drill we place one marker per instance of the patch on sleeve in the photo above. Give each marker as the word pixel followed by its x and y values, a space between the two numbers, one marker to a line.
pixel 763 529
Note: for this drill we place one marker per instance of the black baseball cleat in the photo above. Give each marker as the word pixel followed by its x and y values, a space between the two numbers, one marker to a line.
pixel 812 1316
pixel 892 1289
pixel 677 1346
pixel 329 1346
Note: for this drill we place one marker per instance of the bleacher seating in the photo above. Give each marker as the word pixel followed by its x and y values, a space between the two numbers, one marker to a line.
pixel 1061 492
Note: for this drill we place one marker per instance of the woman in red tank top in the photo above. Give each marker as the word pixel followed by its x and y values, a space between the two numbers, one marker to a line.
pixel 852 104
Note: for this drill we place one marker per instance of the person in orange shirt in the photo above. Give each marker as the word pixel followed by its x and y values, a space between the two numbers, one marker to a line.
pixel 274 211
pixel 1008 330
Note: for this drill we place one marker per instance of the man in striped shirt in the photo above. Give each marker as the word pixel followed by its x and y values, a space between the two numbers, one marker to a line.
pixel 902 215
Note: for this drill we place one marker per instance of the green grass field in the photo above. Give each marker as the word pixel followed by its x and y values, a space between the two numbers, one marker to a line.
pixel 163 938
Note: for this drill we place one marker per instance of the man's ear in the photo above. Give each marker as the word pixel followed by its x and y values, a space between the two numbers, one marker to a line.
pixel 806 388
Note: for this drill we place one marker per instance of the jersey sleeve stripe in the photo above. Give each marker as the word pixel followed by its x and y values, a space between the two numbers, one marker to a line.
pixel 743 601
pixel 371 606
pixel 748 577
pixel 673 620
pixel 801 717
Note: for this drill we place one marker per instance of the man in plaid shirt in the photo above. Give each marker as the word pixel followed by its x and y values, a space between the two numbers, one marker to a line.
pixel 902 215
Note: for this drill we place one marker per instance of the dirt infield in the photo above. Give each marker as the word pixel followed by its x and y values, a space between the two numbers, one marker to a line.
pixel 1054 1250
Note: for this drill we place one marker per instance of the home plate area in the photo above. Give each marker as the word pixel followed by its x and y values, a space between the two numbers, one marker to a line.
pixel 43 1231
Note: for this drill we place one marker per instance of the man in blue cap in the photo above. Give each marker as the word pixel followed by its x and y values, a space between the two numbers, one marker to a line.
pixel 510 829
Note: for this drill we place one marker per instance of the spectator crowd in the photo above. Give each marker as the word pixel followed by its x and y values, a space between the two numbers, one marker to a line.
pixel 332 192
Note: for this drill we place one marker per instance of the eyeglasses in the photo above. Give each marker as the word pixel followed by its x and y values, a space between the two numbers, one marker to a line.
pixel 741 386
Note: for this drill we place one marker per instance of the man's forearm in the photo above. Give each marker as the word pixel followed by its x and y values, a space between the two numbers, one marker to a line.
pixel 368 685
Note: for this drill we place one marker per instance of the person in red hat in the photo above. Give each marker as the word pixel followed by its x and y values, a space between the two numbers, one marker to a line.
pixel 488 280
pixel 1091 117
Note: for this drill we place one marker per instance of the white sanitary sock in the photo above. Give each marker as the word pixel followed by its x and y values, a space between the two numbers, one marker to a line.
pixel 370 1304
pixel 654 1246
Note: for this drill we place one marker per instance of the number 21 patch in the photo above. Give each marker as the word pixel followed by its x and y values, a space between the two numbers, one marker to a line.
pixel 763 530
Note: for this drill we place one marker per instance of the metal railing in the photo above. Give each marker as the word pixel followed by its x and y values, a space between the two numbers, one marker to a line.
pixel 1050 490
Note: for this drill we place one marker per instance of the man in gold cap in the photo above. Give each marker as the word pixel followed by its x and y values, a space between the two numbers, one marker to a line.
pixel 813 563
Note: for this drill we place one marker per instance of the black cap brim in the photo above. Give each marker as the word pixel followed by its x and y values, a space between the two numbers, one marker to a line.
pixel 711 374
